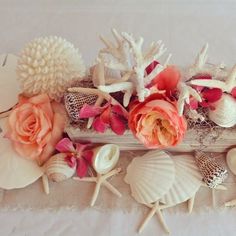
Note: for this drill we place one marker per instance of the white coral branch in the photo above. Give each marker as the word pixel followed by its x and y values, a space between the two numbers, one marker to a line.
pixel 185 93
pixel 201 57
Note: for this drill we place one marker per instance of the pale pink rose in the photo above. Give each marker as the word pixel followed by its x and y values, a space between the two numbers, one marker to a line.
pixel 156 123
pixel 35 126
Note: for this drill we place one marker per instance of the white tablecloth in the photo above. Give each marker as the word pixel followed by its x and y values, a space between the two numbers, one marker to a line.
pixel 183 25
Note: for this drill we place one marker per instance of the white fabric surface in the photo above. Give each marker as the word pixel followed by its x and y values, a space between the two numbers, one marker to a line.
pixel 183 25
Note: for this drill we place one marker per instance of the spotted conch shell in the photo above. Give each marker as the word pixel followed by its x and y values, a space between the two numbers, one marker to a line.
pixel 224 113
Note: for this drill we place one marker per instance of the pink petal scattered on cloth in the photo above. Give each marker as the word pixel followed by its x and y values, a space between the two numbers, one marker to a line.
pixel 88 111
pixel 82 167
pixel 65 145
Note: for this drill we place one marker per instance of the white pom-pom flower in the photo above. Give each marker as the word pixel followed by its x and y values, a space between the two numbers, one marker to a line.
pixel 49 65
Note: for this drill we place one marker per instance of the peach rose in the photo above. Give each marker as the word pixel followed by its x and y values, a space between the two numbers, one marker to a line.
pixel 156 123
pixel 35 126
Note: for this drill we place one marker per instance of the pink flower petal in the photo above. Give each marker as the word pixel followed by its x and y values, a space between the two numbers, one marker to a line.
pixel 193 104
pixel 212 95
pixel 65 145
pixel 119 110
pixel 99 125
pixel 88 111
pixel 233 92
pixel 82 167
pixel 105 116
pixel 117 124
pixel 88 155
pixel 71 161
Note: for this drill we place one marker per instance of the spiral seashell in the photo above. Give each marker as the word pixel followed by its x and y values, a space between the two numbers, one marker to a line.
pixel 224 113
pixel 105 158
pixel 57 169
pixel 213 173
pixel 49 65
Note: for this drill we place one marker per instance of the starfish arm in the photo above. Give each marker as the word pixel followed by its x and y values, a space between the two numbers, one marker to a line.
pixel 231 203
pixel 111 188
pixel 191 204
pixel 210 84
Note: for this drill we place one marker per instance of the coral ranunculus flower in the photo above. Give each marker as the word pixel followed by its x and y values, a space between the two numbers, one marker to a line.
pixel 156 123
pixel 35 126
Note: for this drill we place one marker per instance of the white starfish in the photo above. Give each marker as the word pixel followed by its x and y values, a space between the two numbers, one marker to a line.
pixel 101 180
pixel 225 86
pixel 156 208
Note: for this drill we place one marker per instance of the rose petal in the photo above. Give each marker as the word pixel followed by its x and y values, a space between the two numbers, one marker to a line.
pixel 59 122
pixel 65 145
pixel 82 167
pixel 167 79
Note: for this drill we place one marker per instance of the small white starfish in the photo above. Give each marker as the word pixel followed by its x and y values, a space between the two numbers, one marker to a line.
pixel 101 180
pixel 225 86
pixel 156 208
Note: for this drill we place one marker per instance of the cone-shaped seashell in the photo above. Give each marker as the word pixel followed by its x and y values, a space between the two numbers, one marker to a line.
pixel 75 101
pixel 105 158
pixel 231 160
pixel 150 176
pixel 224 113
pixel 213 173
pixel 57 169
pixel 49 65
pixel 187 181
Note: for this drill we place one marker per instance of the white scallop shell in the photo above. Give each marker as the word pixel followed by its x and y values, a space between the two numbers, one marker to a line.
pixel 231 160
pixel 57 169
pixel 187 182
pixel 105 158
pixel 15 171
pixel 224 113
pixel 150 176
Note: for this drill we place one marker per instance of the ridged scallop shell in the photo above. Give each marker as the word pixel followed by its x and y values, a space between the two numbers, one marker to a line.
pixel 15 171
pixel 105 158
pixel 187 182
pixel 150 176
pixel 231 160
pixel 57 168
pixel 224 113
